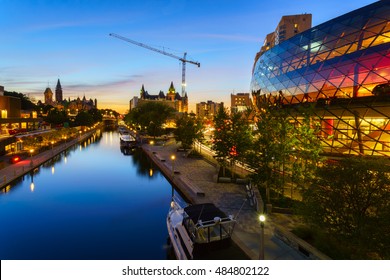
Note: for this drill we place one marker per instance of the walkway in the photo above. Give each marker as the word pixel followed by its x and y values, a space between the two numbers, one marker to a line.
pixel 14 171
pixel 197 175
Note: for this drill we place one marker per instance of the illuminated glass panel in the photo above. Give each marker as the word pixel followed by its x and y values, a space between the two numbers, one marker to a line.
pixel 340 61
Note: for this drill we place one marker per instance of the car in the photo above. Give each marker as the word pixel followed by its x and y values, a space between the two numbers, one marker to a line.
pixel 15 159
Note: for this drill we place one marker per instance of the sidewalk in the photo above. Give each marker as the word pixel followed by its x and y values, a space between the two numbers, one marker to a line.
pixel 192 176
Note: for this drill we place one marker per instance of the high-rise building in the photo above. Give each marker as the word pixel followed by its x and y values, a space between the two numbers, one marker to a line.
pixel 240 102
pixel 207 110
pixel 340 67
pixel 290 26
pixel 58 92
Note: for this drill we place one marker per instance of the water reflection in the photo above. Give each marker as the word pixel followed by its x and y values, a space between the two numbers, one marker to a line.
pixel 145 166
pixel 101 204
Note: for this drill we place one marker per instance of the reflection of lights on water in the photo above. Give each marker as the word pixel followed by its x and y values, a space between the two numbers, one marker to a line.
pixel 150 172
pixel 65 159
pixel 52 170
pixel 32 186
pixel 85 144
pixel 6 189
pixel 80 147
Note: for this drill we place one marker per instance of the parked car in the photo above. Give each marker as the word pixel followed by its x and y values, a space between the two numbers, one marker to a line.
pixel 15 159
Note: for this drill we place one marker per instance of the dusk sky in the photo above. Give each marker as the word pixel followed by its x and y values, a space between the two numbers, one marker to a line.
pixel 42 41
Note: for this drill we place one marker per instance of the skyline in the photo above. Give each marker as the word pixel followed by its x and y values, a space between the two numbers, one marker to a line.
pixel 69 40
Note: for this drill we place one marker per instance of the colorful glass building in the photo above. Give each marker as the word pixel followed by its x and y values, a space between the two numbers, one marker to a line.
pixel 342 68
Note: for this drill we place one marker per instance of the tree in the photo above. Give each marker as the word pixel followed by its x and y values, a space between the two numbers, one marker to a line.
pixel 306 151
pixel 56 117
pixel 150 116
pixel 350 200
pixel 84 118
pixel 187 131
pixel 240 138
pixel 25 101
pixel 96 114
pixel 272 146
pixel 232 137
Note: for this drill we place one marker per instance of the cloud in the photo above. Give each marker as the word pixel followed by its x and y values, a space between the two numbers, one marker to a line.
pixel 104 85
pixel 12 82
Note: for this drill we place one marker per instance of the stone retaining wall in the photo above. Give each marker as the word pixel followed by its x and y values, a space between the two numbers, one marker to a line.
pixel 298 244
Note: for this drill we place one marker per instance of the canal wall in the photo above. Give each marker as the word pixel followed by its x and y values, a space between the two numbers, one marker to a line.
pixel 12 172
pixel 191 193
pixel 196 179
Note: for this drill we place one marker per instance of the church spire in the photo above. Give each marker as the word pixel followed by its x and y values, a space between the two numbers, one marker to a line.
pixel 142 93
pixel 58 91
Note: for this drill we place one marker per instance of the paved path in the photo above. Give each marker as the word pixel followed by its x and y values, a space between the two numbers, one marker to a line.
pixel 13 171
pixel 230 197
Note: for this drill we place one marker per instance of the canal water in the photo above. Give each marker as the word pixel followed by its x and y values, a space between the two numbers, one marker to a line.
pixel 91 202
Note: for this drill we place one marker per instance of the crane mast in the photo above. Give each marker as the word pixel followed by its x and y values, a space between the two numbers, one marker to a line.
pixel 182 59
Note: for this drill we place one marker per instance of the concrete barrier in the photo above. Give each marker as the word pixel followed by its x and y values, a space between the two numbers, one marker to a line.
pixel 298 244
pixel 193 188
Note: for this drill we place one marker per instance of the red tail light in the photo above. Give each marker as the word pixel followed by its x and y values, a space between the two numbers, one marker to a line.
pixel 15 159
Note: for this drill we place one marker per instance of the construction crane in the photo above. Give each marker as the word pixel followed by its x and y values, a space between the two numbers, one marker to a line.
pixel 182 59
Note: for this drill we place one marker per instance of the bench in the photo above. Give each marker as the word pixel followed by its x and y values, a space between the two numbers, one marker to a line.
pixel 159 157
pixel 194 189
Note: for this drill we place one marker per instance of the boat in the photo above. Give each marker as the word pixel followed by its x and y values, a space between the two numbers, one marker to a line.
pixel 126 138
pixel 200 231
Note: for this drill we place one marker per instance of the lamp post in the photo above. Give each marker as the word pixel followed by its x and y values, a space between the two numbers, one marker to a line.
pixel 173 165
pixel 262 220
pixel 31 161
pixel 52 142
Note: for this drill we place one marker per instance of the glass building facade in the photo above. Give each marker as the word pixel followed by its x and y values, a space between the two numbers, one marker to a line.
pixel 342 67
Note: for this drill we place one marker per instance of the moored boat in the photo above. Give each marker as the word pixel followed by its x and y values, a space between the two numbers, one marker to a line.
pixel 200 231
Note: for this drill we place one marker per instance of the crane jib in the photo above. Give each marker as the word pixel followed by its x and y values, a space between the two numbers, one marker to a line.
pixel 183 60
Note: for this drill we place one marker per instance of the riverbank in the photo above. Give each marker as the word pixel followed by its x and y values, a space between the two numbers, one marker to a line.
pixel 196 179
pixel 12 172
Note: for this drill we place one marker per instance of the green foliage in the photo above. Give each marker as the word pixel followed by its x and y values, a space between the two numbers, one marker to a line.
pixel 232 136
pixel 84 118
pixel 25 101
pixel 96 114
pixel 272 147
pixel 188 129
pixel 351 200
pixel 285 150
pixel 56 117
pixel 307 150
pixel 221 144
pixel 44 109
pixel 150 115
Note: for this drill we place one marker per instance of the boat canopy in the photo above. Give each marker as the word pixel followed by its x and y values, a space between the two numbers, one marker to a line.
pixel 207 223
pixel 204 212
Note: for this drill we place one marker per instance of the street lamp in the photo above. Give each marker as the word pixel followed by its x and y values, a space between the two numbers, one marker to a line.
pixel 173 165
pixel 31 161
pixel 52 142
pixel 262 220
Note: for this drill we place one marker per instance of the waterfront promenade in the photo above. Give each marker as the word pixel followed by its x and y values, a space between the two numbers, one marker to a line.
pixel 12 172
pixel 197 180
